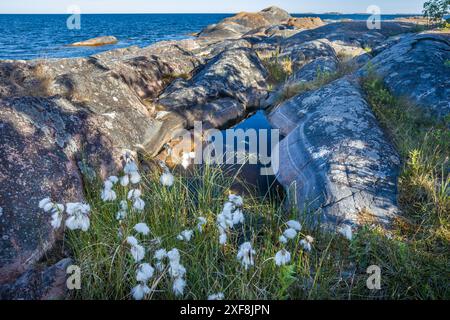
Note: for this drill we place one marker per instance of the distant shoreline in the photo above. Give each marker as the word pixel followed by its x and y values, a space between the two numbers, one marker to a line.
pixel 197 13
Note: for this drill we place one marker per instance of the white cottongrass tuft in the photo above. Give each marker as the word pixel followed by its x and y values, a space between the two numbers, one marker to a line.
pixel 290 233
pixel 138 252
pixel 174 255
pixel 293 224
pixel 140 291
pixel 176 271
pixel 245 255
pixel 46 204
pixel 142 228
pixel 216 296
pixel 223 238
pixel 124 181
pixel 78 216
pixel 282 257
pixel 113 179
pixel 108 194
pixel 236 200
pixel 132 241
pixel 167 179
pixel 283 239
pixel 160 254
pixel 186 159
pixel 230 216
pixel 185 235
pixel 346 231
pixel 201 223
pixel 122 213
pixel 178 286
pixel 306 243
pixel 56 209
pixel 144 272
pixel 135 196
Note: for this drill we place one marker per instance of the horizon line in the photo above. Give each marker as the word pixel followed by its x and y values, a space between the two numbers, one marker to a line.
pixel 323 13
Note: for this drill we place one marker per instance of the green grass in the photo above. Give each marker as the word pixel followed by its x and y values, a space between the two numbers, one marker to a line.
pixel 322 79
pixel 279 69
pixel 414 256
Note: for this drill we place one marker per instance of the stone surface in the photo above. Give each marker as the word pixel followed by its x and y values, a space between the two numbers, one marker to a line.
pixel 235 74
pixel 240 24
pixel 416 68
pixel 96 42
pixel 335 159
pixel 39 283
pixel 305 22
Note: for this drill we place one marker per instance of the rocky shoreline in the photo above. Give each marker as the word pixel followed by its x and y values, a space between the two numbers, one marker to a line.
pixel 61 119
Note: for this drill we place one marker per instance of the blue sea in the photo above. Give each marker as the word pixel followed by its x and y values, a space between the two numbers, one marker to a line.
pixel 47 36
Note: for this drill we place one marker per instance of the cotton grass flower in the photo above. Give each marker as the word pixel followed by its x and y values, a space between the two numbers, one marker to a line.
pixel 78 216
pixel 138 252
pixel 236 200
pixel 346 231
pixel 135 196
pixel 201 223
pixel 216 296
pixel 178 286
pixel 167 179
pixel 245 255
pixel 144 272
pixel 283 239
pixel 293 224
pixel 124 181
pixel 142 228
pixel 174 255
pixel 186 159
pixel 46 204
pixel 230 216
pixel 160 254
pixel 122 213
pixel 186 235
pixel 132 241
pixel 140 291
pixel 306 243
pixel 290 233
pixel 282 257
pixel 177 270
pixel 107 193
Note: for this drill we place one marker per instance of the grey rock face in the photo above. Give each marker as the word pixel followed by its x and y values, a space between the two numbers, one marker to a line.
pixel 39 284
pixel 242 23
pixel 350 38
pixel 35 164
pixel 235 74
pixel 416 68
pixel 335 157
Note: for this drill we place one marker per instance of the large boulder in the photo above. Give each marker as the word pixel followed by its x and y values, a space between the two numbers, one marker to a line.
pixel 350 38
pixel 243 22
pixel 335 158
pixel 235 74
pixel 417 68
pixel 96 42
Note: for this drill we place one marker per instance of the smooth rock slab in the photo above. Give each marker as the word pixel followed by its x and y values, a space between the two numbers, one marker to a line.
pixel 96 42
pixel 335 158
pixel 416 68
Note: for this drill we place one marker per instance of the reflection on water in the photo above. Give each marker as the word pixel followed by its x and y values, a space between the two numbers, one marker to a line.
pixel 251 173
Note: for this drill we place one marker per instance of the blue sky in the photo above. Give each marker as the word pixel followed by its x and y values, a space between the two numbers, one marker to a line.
pixel 228 6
